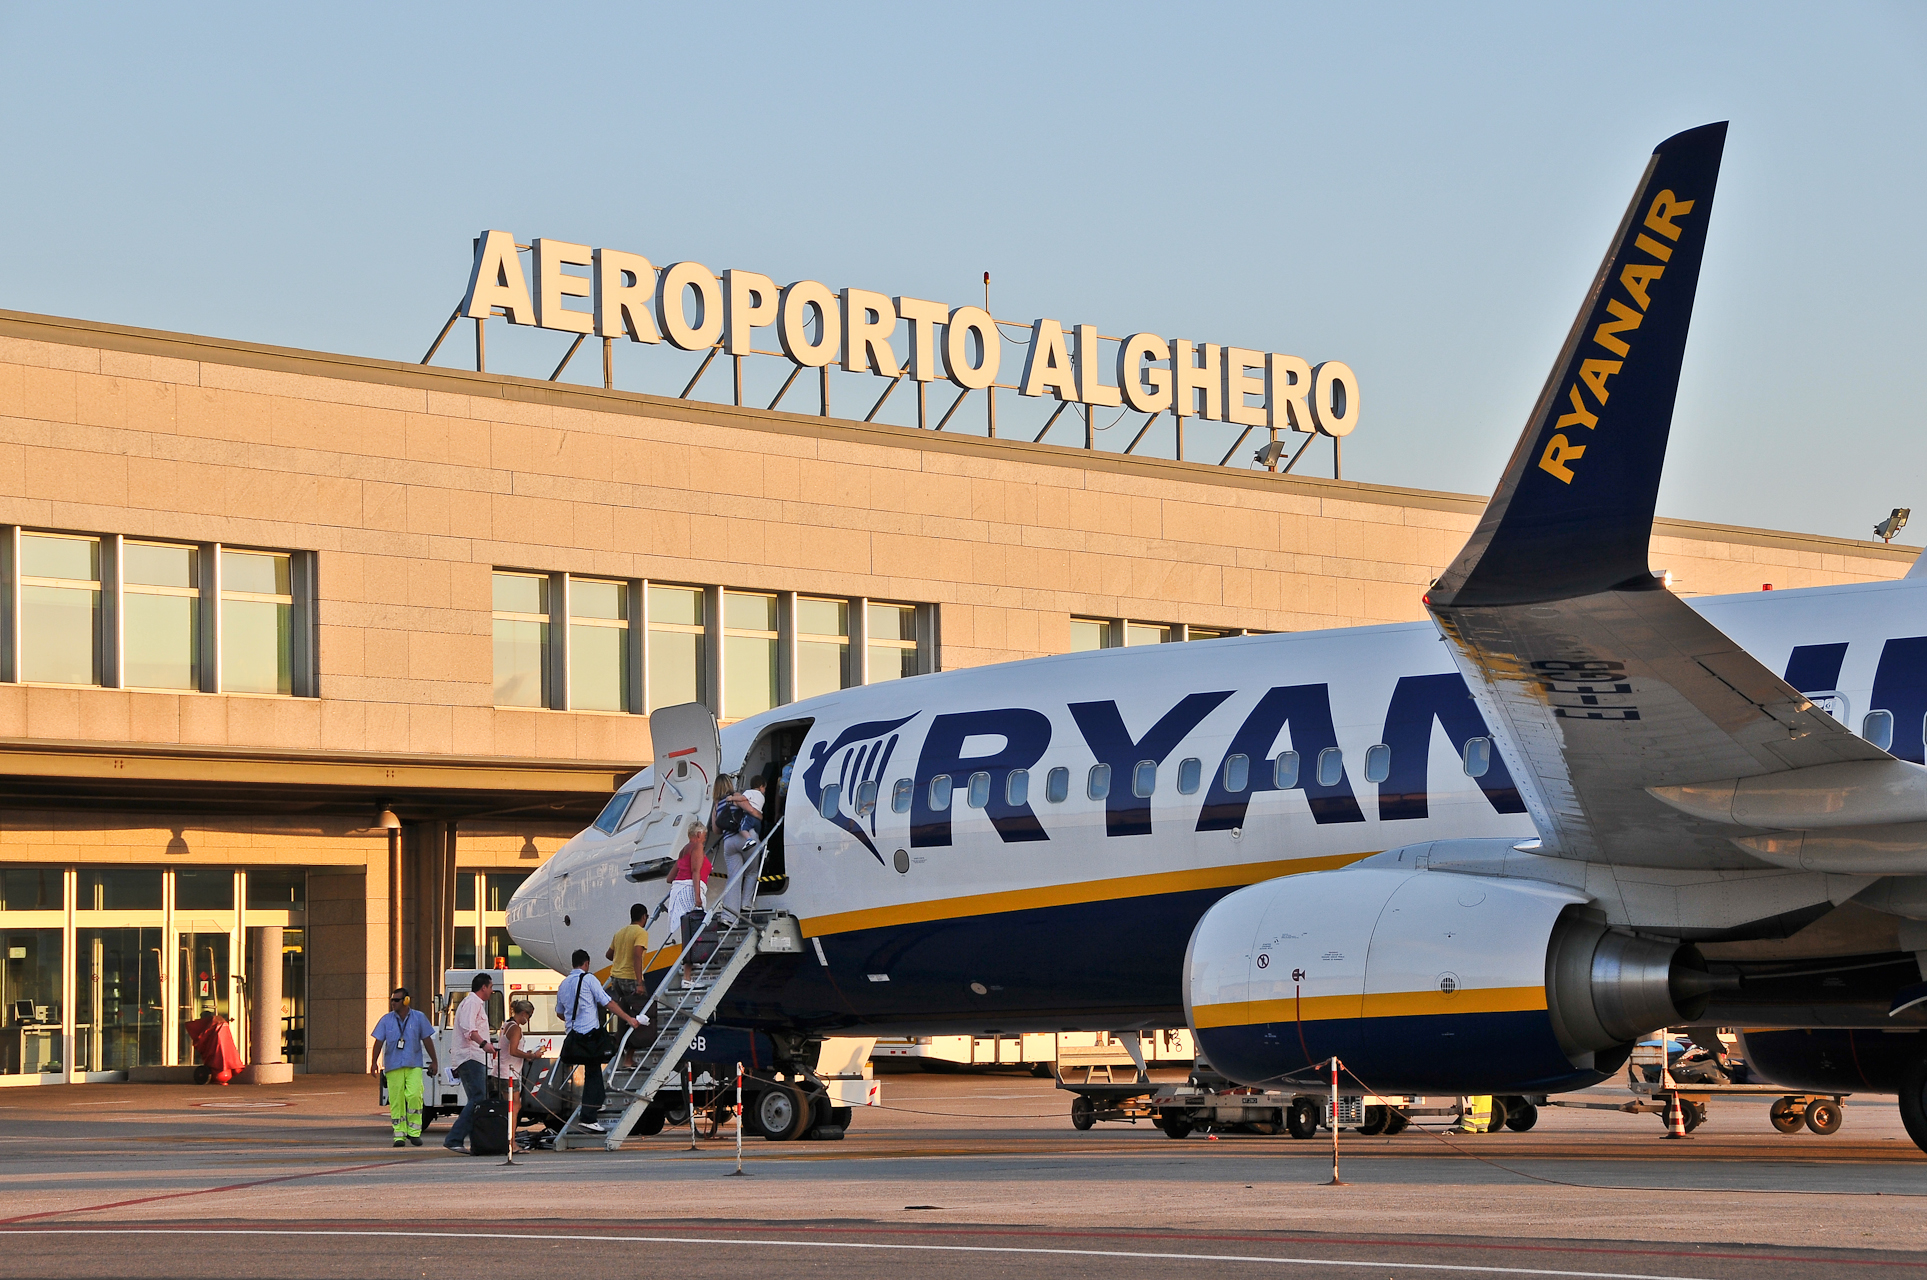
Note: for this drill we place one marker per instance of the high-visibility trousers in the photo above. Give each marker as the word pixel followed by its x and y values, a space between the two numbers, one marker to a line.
pixel 405 1100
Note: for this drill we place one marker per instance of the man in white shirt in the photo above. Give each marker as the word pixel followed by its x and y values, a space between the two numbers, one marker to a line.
pixel 579 1003
pixel 469 1057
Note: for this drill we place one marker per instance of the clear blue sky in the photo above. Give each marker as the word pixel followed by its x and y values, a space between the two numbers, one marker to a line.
pixel 1420 190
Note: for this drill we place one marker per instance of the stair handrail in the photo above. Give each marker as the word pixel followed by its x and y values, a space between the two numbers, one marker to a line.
pixel 752 868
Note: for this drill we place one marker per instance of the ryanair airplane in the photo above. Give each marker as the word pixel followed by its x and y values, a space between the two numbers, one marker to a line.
pixel 1479 854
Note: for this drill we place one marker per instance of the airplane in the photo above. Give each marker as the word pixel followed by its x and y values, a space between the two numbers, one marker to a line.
pixel 1478 854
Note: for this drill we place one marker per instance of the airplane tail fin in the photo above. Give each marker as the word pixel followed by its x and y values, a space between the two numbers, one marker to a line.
pixel 1573 514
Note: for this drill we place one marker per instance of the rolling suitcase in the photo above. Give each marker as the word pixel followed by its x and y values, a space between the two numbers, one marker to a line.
pixel 490 1136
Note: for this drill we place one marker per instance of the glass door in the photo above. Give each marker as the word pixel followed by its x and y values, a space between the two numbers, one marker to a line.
pixel 120 997
pixel 203 969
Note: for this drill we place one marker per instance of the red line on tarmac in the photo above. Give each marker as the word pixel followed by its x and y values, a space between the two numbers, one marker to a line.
pixel 176 1195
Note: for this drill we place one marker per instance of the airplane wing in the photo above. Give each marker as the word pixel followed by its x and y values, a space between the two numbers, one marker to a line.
pixel 1618 702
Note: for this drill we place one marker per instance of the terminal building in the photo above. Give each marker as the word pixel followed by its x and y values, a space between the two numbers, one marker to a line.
pixel 306 660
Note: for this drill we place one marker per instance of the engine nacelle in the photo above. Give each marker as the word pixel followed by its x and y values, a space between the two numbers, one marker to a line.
pixel 1428 982
pixel 1826 1060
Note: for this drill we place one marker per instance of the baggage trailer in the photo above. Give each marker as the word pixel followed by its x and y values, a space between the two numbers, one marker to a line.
pixel 1207 1102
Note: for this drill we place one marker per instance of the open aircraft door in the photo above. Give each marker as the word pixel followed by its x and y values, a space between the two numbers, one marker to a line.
pixel 688 750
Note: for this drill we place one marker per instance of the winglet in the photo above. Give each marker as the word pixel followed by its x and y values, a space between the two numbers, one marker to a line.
pixel 1573 514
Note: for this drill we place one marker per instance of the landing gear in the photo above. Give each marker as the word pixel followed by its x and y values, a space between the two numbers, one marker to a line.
pixel 1913 1102
pixel 1520 1115
pixel 780 1113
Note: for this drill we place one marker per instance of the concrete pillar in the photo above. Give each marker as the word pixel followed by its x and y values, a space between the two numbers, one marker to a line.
pixel 265 1065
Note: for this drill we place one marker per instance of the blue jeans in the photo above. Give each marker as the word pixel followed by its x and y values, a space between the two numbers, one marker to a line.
pixel 474 1078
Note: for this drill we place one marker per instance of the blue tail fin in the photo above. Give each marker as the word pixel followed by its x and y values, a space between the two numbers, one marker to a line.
pixel 1574 513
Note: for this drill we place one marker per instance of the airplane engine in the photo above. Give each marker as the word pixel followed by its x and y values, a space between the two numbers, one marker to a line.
pixel 1828 1060
pixel 1428 982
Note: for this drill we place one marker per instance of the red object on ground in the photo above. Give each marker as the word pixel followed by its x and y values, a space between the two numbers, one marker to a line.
pixel 213 1038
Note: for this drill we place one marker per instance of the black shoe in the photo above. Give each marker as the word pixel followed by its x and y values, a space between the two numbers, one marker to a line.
pixel 414 1141
pixel 401 1142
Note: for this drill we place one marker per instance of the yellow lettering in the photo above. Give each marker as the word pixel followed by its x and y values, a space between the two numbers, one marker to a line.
pixel 1636 277
pixel 1624 318
pixel 1559 451
pixel 1666 207
pixel 1663 252
pixel 1578 417
pixel 1594 374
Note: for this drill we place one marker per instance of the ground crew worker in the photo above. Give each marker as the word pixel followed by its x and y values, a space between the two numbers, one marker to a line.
pixel 402 1037
pixel 1475 1114
pixel 629 951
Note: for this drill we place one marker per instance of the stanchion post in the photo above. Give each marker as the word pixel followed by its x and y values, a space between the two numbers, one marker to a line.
pixel 689 1100
pixel 1335 1182
pixel 739 1125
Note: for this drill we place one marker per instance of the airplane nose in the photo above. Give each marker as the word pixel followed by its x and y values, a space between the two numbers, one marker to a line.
pixel 532 911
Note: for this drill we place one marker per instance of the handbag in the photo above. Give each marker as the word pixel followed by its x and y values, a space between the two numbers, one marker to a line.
pixel 593 1047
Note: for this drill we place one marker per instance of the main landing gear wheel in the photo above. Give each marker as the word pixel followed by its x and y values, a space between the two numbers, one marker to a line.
pixel 1913 1102
pixel 1302 1118
pixel 1823 1116
pixel 1081 1117
pixel 781 1113
pixel 1499 1113
pixel 1520 1115
pixel 1786 1116
pixel 1376 1118
pixel 1174 1126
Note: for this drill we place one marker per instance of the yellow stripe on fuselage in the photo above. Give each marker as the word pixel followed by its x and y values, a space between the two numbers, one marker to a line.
pixel 1376 1004
pixel 1066 895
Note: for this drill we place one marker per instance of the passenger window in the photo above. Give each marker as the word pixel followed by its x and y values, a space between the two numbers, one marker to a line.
pixel 1878 728
pixel 900 795
pixel 1098 785
pixel 1331 767
pixel 1057 785
pixel 1378 763
pixel 1144 778
pixel 1478 757
pixel 1190 773
pixel 832 800
pixel 1237 773
pixel 1284 770
pixel 940 792
pixel 978 794
pixel 866 798
pixel 1017 787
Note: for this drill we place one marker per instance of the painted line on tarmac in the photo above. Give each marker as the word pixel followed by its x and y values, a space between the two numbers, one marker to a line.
pixel 177 1195
pixel 1004 1250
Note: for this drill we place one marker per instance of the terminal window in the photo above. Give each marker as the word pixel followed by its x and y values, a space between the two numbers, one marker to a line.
pixel 892 641
pixel 598 645
pixel 521 640
pixel 749 653
pixel 822 646
pixel 257 622
pixel 60 621
pixel 678 647
pixel 1110 633
pixel 161 597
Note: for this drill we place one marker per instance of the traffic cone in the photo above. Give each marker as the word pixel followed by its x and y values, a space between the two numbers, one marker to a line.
pixel 1675 1116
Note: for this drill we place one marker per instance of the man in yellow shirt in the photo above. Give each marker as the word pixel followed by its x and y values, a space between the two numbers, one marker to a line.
pixel 629 951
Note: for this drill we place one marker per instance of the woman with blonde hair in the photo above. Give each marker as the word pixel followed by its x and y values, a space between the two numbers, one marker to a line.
pixel 689 887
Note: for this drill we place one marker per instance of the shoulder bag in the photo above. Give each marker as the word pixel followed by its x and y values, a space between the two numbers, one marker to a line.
pixel 592 1047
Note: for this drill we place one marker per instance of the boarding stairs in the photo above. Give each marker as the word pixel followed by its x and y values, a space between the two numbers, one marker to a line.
pixel 678 1010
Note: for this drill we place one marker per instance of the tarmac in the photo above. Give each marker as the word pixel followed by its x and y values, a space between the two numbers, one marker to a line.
pixel 955 1173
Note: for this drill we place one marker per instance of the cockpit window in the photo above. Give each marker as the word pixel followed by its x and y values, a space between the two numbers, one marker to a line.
pixel 611 816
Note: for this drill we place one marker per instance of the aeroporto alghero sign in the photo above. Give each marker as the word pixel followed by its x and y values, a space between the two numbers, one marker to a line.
pixel 693 308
